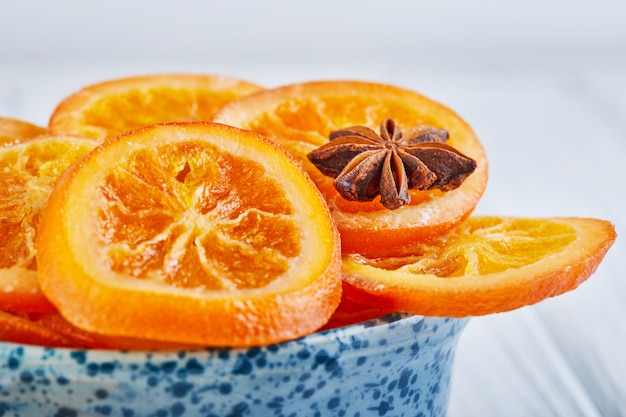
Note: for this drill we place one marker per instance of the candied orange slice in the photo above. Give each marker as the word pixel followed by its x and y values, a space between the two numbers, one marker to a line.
pixel 13 131
pixel 301 116
pixel 350 312
pixel 108 108
pixel 17 328
pixel 57 324
pixel 29 172
pixel 193 233
pixel 487 265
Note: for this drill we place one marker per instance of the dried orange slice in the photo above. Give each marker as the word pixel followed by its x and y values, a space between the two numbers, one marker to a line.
pixel 57 324
pixel 193 233
pixel 350 312
pixel 29 172
pixel 16 328
pixel 300 117
pixel 13 131
pixel 108 108
pixel 487 265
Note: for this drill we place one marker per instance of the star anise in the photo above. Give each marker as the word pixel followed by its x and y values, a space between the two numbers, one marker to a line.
pixel 365 164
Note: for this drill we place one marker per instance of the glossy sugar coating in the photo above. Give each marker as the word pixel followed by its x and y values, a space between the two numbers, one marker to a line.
pixel 394 366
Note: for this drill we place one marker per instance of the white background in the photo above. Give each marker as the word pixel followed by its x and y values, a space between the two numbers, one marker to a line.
pixel 542 82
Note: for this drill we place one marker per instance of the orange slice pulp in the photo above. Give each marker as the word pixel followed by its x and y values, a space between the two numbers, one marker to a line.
pixel 192 233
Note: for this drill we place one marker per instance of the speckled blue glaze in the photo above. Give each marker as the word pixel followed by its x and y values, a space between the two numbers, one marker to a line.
pixel 398 365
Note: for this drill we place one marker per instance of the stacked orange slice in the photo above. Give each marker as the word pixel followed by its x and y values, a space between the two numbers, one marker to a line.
pixel 111 107
pixel 29 173
pixel 486 265
pixel 13 131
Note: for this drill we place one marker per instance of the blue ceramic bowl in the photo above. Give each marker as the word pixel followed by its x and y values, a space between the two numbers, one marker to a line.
pixel 393 366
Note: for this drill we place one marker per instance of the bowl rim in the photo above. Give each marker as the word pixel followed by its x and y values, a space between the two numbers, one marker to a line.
pixel 319 338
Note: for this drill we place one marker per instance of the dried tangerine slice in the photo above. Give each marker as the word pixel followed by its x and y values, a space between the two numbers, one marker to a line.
pixel 13 131
pixel 487 265
pixel 29 173
pixel 301 116
pixel 110 107
pixel 193 233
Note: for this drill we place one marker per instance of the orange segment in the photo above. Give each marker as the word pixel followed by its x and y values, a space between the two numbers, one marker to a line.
pixel 111 107
pixel 192 233
pixel 300 117
pixel 29 172
pixel 487 265
pixel 13 131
